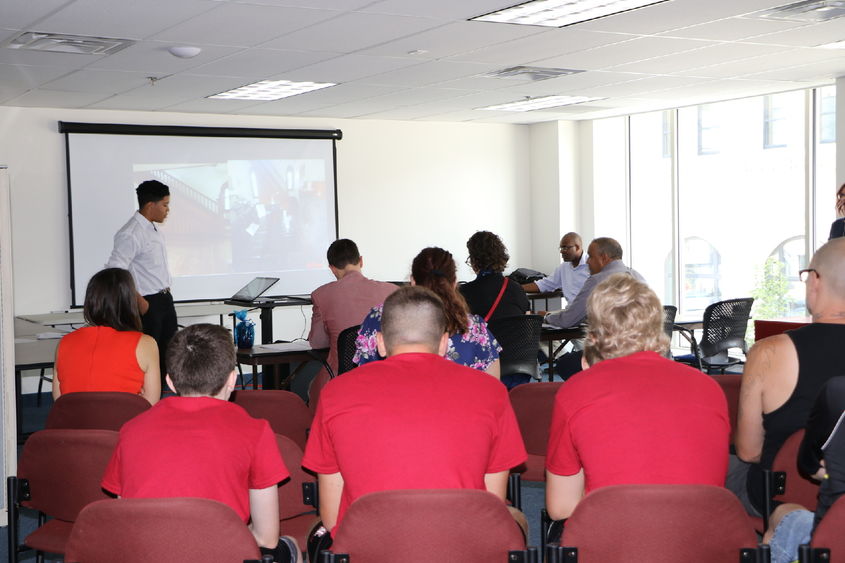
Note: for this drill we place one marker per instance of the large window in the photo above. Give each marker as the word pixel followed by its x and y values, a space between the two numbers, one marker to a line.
pixel 714 213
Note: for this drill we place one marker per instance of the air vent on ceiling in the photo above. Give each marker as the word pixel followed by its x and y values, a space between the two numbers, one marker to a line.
pixel 531 73
pixel 806 11
pixel 63 43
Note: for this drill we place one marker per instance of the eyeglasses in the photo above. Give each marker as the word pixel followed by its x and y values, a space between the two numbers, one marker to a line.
pixel 567 247
pixel 467 261
pixel 804 275
pixel 840 195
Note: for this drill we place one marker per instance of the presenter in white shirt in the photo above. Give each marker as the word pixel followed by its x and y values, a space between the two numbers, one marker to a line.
pixel 570 275
pixel 139 247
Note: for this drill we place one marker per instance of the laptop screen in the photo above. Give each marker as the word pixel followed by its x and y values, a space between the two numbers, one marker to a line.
pixel 254 288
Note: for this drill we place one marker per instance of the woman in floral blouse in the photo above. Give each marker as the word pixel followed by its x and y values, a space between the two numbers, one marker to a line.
pixel 471 343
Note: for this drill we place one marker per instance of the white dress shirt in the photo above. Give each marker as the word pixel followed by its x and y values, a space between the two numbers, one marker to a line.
pixel 139 247
pixel 567 278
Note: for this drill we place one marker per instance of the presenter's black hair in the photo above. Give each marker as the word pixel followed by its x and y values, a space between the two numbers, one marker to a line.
pixel 151 191
pixel 111 300
pixel 343 252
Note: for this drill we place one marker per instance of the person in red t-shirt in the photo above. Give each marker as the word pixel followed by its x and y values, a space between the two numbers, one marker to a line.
pixel 632 416
pixel 413 421
pixel 198 444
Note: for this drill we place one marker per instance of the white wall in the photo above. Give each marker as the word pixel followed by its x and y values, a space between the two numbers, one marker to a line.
pixel 401 186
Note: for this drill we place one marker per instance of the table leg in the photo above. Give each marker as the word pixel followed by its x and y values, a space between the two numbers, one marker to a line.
pixel 18 417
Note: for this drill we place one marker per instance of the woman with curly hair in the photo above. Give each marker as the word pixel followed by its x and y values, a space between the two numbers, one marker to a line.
pixel 491 295
pixel 837 228
pixel 470 342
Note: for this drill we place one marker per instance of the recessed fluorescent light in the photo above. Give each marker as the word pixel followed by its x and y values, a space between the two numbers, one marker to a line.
pixel 268 90
pixel 560 13
pixel 540 103
pixel 835 45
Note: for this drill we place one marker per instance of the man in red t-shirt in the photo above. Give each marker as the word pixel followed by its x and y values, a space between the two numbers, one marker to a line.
pixel 198 444
pixel 633 416
pixel 413 421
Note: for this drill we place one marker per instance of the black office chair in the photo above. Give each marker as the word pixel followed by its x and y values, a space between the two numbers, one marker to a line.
pixel 724 326
pixel 519 337
pixel 669 312
pixel 346 349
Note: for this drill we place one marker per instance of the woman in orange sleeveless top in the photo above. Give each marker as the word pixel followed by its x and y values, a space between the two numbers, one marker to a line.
pixel 110 353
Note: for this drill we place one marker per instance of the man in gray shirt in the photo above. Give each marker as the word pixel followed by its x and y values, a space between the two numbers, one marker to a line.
pixel 605 259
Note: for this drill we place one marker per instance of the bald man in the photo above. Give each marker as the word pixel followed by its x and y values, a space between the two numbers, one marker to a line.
pixel 784 374
pixel 406 422
pixel 570 276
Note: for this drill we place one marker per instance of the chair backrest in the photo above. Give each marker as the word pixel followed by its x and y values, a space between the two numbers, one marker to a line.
pixel 172 529
pixel 730 384
pixel 290 492
pixel 105 410
pixel 690 523
pixel 829 531
pixel 798 489
pixel 64 468
pixel 725 324
pixel 346 349
pixel 470 526
pixel 533 404
pixel 286 412
pixel 519 337
pixel 669 312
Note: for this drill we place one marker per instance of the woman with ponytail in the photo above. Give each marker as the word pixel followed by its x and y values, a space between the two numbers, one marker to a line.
pixel 470 342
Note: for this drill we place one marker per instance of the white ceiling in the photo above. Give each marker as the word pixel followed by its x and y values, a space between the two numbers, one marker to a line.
pixel 677 53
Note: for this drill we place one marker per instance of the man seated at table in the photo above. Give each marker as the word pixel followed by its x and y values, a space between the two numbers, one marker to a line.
pixel 570 275
pixel 604 259
pixel 632 416
pixel 413 421
pixel 198 444
pixel 784 374
pixel 341 304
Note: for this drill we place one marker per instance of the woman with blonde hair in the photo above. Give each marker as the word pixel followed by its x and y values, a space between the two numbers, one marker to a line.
pixel 470 342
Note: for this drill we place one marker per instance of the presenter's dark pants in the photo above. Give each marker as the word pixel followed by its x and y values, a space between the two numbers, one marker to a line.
pixel 160 323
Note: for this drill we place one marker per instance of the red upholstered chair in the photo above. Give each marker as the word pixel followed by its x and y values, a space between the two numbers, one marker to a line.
pixel 59 473
pixel 658 523
pixel 828 543
pixel 785 483
pixel 189 530
pixel 287 412
pixel 427 525
pixel 730 384
pixel 295 518
pixel 533 404
pixel 106 410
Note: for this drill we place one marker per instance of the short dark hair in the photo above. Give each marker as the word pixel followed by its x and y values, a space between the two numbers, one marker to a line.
pixel 487 252
pixel 151 191
pixel 111 300
pixel 343 252
pixel 413 315
pixel 200 358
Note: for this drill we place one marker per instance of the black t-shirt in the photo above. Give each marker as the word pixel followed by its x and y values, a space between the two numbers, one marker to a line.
pixel 483 290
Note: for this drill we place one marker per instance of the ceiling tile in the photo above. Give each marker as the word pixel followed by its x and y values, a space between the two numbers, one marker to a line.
pixel 335 5
pixel 69 61
pixel 21 14
pixel 103 81
pixel 711 54
pixel 806 36
pixel 20 76
pixel 242 25
pixel 204 105
pixel 460 10
pixel 347 68
pixel 452 39
pixel 429 73
pixel 625 52
pixel 542 46
pixel 732 29
pixel 344 33
pixel 152 57
pixel 127 19
pixel 261 63
pixel 342 93
pixel 55 99
pixel 573 82
pixel 764 63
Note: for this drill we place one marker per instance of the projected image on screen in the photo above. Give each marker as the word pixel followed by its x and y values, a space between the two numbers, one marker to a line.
pixel 239 208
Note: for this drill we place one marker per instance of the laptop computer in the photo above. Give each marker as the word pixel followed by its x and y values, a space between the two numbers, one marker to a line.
pixel 251 291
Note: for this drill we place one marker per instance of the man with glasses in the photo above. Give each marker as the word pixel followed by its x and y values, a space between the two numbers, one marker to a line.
pixel 784 374
pixel 570 275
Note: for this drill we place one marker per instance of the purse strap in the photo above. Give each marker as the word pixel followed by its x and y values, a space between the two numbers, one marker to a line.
pixel 496 302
